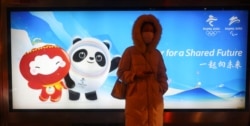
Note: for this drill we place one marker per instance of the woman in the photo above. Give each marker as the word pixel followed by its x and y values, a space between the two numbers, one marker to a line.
pixel 142 69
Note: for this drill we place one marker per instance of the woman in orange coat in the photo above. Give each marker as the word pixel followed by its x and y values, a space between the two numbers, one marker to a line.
pixel 142 69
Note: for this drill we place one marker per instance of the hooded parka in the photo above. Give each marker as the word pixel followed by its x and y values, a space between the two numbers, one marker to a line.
pixel 144 95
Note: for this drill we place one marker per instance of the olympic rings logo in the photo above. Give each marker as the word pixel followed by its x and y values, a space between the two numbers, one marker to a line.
pixel 211 33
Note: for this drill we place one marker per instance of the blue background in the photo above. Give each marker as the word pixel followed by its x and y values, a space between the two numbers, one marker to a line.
pixel 182 30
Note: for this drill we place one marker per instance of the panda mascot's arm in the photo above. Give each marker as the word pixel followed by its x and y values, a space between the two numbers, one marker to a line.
pixel 114 63
pixel 69 82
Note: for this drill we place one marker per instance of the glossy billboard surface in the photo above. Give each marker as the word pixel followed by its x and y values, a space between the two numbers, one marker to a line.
pixel 205 53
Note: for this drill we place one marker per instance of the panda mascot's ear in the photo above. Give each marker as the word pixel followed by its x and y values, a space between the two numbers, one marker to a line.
pixel 76 40
pixel 107 44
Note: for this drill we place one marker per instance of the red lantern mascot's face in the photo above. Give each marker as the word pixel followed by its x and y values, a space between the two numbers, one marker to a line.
pixel 44 67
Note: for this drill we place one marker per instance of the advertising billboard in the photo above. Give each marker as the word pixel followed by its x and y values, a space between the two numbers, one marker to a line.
pixel 205 53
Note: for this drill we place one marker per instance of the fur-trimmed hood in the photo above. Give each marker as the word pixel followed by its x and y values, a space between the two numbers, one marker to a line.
pixel 137 37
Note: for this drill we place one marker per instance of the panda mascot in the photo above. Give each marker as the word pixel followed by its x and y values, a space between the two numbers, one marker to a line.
pixel 90 65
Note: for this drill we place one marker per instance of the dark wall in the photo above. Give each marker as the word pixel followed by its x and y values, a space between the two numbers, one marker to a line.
pixel 207 118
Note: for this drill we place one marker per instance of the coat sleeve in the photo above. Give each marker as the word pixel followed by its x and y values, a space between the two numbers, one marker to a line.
pixel 162 76
pixel 124 71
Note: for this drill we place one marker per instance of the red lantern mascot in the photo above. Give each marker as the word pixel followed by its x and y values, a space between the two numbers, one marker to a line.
pixel 44 67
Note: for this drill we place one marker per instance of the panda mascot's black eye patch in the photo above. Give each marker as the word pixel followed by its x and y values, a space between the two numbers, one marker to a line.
pixel 80 55
pixel 100 59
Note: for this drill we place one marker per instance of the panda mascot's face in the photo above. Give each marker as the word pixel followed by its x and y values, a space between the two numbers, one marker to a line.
pixel 89 60
pixel 90 63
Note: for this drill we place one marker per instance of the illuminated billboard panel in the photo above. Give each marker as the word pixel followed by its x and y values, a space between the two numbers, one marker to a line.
pixel 205 52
